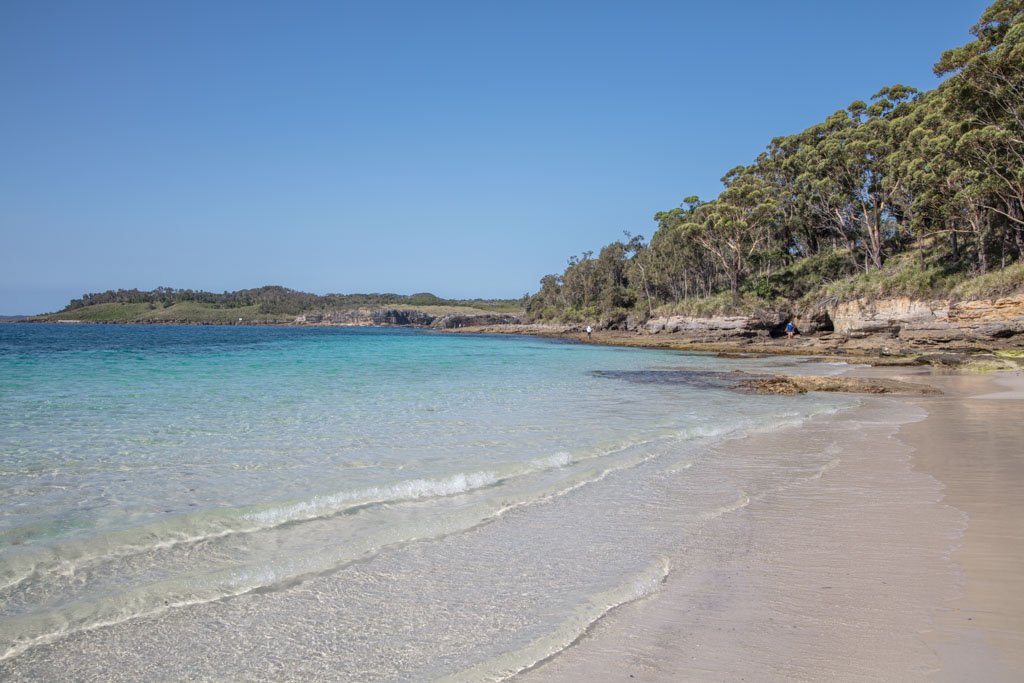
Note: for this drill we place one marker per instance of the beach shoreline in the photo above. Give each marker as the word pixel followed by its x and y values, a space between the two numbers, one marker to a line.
pixel 971 442
pixel 858 537
pixel 917 578
pixel 874 350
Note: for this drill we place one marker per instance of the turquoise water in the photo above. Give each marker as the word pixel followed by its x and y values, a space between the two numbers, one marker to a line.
pixel 403 504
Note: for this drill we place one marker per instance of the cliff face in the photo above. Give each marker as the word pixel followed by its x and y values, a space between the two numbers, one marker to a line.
pixel 448 322
pixel 895 324
pixel 927 323
pixel 899 321
pixel 719 327
pixel 365 317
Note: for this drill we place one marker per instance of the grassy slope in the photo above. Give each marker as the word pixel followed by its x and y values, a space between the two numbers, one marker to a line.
pixel 204 313
pixel 904 276
pixel 190 311
pixel 804 286
pixel 103 313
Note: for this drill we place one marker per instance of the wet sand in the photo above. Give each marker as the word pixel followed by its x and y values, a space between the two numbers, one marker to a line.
pixel 904 561
pixel 976 447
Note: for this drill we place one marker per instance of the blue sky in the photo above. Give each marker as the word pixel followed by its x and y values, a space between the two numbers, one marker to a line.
pixel 461 148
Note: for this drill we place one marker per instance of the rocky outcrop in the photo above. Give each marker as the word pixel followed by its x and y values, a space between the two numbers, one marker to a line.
pixel 766 324
pixel 924 323
pixel 400 317
pixel 365 317
pixel 450 322
pixel 801 384
pixel 894 324
pixel 768 384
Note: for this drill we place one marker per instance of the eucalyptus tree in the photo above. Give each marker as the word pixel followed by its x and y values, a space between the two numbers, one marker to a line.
pixel 986 93
pixel 614 289
pixel 549 301
pixel 732 228
pixel 639 267
pixel 800 230
pixel 579 282
pixel 677 267
pixel 946 167
pixel 945 195
pixel 846 162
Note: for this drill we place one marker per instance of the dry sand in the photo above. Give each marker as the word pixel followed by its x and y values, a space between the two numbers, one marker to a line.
pixel 904 561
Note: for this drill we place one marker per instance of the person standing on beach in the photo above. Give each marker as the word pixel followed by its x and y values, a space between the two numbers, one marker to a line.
pixel 589 330
pixel 790 329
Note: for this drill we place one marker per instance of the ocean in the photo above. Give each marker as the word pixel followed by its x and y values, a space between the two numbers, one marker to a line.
pixel 264 503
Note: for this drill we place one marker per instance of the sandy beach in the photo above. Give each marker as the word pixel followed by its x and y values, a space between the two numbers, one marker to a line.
pixel 655 518
pixel 975 446
pixel 903 561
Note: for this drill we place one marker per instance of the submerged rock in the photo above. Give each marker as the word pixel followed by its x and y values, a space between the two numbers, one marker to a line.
pixel 792 384
pixel 769 384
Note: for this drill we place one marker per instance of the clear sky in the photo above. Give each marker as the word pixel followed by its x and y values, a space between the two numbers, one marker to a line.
pixel 461 148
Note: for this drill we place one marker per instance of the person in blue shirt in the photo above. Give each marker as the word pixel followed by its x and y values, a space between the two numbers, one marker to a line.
pixel 790 329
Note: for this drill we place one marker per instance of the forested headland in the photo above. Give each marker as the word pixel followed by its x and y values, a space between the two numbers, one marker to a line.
pixel 911 193
pixel 269 304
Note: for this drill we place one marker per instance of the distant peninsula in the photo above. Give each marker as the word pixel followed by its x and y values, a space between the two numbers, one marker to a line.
pixel 276 305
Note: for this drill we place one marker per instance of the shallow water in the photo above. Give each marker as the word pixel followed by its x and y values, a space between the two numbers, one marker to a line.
pixel 369 504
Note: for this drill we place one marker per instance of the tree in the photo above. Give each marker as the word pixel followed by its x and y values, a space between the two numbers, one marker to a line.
pixel 734 226
pixel 640 261
pixel 986 93
pixel 847 162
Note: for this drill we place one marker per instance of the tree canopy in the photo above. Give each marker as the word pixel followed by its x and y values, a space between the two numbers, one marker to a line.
pixel 277 300
pixel 935 178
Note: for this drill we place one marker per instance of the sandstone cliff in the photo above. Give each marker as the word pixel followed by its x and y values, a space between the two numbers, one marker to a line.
pixel 897 322
pixel 924 323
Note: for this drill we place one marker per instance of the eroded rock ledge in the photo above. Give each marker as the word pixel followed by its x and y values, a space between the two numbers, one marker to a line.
pixel 801 384
pixel 769 384
pixel 932 322
pixel 900 322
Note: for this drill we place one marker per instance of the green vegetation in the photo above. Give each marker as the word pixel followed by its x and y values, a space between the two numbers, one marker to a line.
pixel 193 311
pixel 715 304
pixel 917 194
pixel 998 283
pixel 105 312
pixel 265 304
pixel 902 275
pixel 190 311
